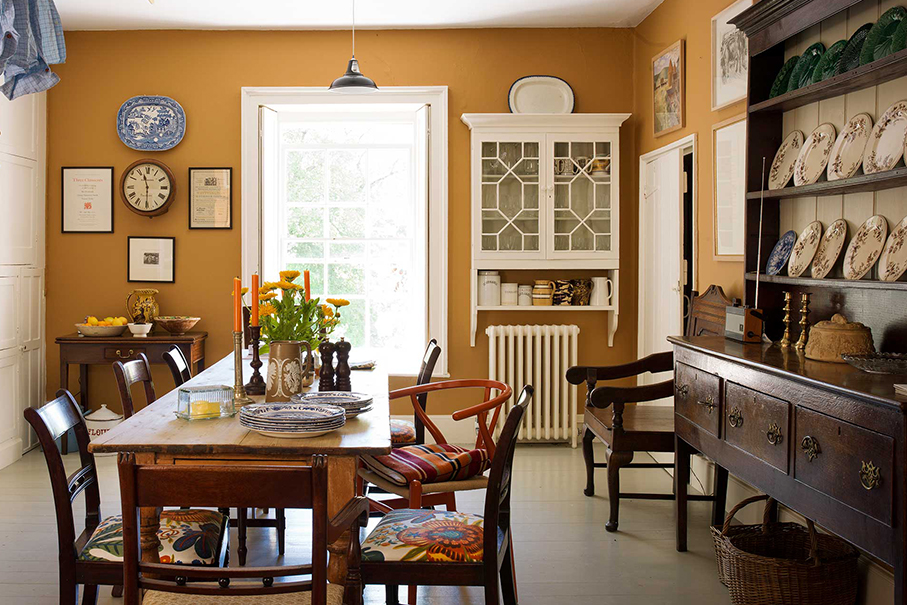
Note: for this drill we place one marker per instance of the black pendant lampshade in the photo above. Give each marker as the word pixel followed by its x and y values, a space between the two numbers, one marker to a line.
pixel 353 81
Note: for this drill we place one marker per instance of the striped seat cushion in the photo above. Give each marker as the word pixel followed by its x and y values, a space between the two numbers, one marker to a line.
pixel 429 463
pixel 402 431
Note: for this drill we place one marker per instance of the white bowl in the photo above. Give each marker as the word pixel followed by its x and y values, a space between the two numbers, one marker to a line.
pixel 140 330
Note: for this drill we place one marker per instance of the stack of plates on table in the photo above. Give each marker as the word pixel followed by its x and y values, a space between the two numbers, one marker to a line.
pixel 353 403
pixel 292 420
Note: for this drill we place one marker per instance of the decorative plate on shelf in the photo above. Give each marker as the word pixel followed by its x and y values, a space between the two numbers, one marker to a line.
pixel 881 40
pixel 805 249
pixel 779 86
pixel 151 123
pixel 886 143
pixel 353 403
pixel 540 94
pixel 828 64
pixel 782 167
pixel 850 58
pixel 830 247
pixel 803 71
pixel 780 253
pixel 813 158
pixel 865 247
pixel 847 153
pixel 893 261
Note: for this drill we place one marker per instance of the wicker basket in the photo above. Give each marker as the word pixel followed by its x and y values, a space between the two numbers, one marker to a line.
pixel 783 563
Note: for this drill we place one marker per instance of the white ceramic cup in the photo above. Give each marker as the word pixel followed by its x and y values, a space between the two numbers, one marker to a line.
pixel 509 294
pixel 602 288
pixel 525 295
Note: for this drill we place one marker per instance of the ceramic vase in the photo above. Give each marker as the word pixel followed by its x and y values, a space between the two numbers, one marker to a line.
pixel 141 306
pixel 542 292
pixel 288 372
pixel 563 292
pixel 582 292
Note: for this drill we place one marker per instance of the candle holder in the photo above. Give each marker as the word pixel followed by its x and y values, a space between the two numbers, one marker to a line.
pixel 256 384
pixel 804 322
pixel 785 341
pixel 239 391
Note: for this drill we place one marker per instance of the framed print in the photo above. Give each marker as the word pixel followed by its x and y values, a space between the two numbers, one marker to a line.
pixel 87 199
pixel 729 189
pixel 151 259
pixel 667 89
pixel 730 57
pixel 210 198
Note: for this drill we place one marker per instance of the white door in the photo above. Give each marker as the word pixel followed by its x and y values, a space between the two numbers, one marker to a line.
pixel 660 254
pixel 19 202
pixel 19 125
pixel 31 346
pixel 10 412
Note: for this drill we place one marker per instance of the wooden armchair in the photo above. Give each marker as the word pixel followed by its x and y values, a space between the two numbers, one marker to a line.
pixel 627 427
pixel 404 432
pixel 129 373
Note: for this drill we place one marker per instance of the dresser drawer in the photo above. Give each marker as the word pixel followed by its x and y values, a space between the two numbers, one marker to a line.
pixel 123 353
pixel 757 424
pixel 850 464
pixel 697 397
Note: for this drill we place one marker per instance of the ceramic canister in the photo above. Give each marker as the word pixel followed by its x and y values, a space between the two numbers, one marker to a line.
pixel 509 294
pixel 525 295
pixel 542 292
pixel 489 288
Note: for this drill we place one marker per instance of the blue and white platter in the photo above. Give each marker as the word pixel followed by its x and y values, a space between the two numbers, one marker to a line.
pixel 353 403
pixel 151 123
pixel 780 253
pixel 292 420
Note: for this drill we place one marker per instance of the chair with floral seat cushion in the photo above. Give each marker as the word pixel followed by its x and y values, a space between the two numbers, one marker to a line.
pixel 451 548
pixel 404 432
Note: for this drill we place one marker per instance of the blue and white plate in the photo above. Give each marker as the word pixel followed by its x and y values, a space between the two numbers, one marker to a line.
pixel 292 420
pixel 151 123
pixel 780 253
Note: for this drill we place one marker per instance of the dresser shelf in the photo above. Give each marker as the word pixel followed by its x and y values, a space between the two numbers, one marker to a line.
pixel 864 182
pixel 810 282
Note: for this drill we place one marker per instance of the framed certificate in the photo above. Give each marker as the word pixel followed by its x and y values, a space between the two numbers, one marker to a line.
pixel 87 199
pixel 151 259
pixel 210 198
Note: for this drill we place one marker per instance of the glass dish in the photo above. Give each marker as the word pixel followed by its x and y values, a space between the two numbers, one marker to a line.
pixel 201 403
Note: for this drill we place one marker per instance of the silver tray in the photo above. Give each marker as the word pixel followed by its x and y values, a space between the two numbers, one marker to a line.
pixel 879 363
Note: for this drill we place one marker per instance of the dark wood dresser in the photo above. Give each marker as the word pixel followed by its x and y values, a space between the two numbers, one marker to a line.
pixel 824 439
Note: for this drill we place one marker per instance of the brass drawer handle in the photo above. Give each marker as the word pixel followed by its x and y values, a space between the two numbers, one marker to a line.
pixel 810 447
pixel 126 356
pixel 735 418
pixel 773 434
pixel 709 403
pixel 870 476
pixel 682 389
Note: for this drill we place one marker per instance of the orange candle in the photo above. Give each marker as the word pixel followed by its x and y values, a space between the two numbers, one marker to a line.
pixel 254 299
pixel 308 286
pixel 237 304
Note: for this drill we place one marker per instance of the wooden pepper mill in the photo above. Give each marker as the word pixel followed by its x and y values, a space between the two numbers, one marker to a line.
pixel 343 365
pixel 326 377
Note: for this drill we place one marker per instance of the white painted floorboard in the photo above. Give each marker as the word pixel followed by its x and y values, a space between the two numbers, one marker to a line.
pixel 563 554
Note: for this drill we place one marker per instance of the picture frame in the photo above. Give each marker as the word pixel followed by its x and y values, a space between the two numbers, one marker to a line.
pixel 729 57
pixel 668 80
pixel 729 188
pixel 211 198
pixel 151 259
pixel 86 199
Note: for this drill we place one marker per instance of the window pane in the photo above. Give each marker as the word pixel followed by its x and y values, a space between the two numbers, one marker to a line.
pixel 347 251
pixel 347 222
pixel 389 176
pixel 352 323
pixel 305 222
pixel 305 176
pixel 305 250
pixel 316 277
pixel 345 279
pixel 347 176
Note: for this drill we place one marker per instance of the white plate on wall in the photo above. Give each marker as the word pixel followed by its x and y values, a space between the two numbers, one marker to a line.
pixel 886 144
pixel 813 158
pixel 804 249
pixel 541 94
pixel 893 261
pixel 782 168
pixel 830 247
pixel 865 247
pixel 847 153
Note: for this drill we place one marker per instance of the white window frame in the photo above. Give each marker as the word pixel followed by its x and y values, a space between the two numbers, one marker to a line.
pixel 436 287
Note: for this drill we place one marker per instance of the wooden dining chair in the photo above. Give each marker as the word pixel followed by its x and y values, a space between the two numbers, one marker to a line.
pixel 95 557
pixel 129 373
pixel 240 487
pixel 447 548
pixel 628 427
pixel 404 432
pixel 179 366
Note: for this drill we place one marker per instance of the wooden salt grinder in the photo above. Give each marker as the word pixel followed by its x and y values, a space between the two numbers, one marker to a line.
pixel 326 377
pixel 343 365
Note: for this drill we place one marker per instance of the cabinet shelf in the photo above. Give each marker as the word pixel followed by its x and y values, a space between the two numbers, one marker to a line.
pixel 864 182
pixel 547 308
pixel 810 282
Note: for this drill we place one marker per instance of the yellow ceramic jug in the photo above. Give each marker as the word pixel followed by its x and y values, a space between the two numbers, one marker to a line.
pixel 141 306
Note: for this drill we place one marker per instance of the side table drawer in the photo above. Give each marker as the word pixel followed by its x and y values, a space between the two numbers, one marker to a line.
pixel 757 424
pixel 849 463
pixel 697 397
pixel 123 353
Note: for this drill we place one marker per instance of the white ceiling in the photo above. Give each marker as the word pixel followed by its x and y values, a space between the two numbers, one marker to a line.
pixel 335 14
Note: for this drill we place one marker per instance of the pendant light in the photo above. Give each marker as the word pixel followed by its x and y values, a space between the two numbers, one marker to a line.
pixel 353 81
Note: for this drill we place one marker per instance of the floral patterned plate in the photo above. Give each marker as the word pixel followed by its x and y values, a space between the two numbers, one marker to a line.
pixel 813 158
pixel 886 143
pixel 847 153
pixel 893 261
pixel 804 249
pixel 865 247
pixel 783 165
pixel 830 247
pixel 780 253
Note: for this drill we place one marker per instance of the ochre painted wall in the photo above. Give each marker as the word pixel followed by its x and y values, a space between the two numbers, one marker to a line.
pixel 204 71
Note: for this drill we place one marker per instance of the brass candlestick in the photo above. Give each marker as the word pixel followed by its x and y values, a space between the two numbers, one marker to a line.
pixel 256 384
pixel 785 341
pixel 239 391
pixel 804 322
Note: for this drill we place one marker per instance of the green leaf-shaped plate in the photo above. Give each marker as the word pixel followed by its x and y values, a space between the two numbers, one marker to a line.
pixel 879 41
pixel 899 39
pixel 850 58
pixel 828 64
pixel 779 86
pixel 803 72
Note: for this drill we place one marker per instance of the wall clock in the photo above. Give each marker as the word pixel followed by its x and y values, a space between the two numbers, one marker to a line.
pixel 148 188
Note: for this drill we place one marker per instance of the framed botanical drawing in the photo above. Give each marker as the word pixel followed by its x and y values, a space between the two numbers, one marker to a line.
pixel 87 199
pixel 729 187
pixel 151 259
pixel 667 89
pixel 210 198
pixel 730 57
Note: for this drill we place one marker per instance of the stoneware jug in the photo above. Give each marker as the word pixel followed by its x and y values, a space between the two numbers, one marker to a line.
pixel 288 374
pixel 141 306
pixel 542 292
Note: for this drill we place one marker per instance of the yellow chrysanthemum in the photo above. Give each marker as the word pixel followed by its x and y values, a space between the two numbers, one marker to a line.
pixel 285 285
pixel 268 286
pixel 266 310
pixel 242 292
pixel 288 275
pixel 328 312
pixel 338 302
pixel 267 296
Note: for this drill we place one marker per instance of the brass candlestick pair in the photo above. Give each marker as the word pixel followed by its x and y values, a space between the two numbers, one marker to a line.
pixel 239 391
pixel 804 322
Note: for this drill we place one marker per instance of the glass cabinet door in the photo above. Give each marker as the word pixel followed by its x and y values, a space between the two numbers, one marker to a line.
pixel 510 219
pixel 581 217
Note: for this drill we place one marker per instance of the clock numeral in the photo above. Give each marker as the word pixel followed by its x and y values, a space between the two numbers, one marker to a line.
pixel 130 186
pixel 165 187
pixel 146 203
pixel 163 178
pixel 147 169
pixel 162 196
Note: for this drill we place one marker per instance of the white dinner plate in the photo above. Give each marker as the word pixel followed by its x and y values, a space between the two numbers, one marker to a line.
pixel 289 435
pixel 805 249
pixel 541 94
pixel 830 247
pixel 893 261
pixel 847 153
pixel 886 144
pixel 813 158
pixel 782 167
pixel 865 247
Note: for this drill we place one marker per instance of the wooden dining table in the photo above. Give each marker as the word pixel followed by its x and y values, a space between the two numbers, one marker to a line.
pixel 156 436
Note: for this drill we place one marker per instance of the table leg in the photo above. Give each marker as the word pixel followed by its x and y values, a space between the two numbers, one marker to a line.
pixel 200 364
pixel 681 481
pixel 341 489
pixel 149 523
pixel 720 504
pixel 83 386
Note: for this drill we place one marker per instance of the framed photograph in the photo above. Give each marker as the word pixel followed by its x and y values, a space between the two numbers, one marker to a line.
pixel 87 199
pixel 728 176
pixel 210 198
pixel 667 89
pixel 151 259
pixel 730 57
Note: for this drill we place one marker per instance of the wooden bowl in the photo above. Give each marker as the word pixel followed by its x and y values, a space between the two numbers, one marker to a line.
pixel 100 331
pixel 176 324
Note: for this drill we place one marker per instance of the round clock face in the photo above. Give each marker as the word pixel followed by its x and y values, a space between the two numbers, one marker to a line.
pixel 147 187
